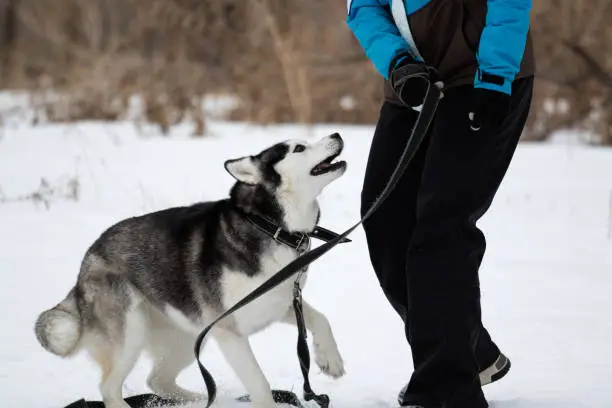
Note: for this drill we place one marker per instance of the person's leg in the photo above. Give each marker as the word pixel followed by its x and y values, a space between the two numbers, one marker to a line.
pixel 389 229
pixel 461 174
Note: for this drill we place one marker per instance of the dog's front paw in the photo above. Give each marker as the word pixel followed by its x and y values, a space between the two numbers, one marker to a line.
pixel 329 360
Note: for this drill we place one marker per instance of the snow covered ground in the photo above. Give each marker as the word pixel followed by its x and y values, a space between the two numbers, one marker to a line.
pixel 546 277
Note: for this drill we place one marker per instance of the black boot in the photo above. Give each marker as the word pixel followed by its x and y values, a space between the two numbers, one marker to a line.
pixel 494 372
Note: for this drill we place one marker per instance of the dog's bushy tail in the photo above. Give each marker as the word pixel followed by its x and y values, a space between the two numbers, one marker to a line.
pixel 59 329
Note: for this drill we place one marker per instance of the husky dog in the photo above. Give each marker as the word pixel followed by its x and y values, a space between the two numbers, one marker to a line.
pixel 153 282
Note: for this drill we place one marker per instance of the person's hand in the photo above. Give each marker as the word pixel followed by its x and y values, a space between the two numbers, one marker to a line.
pixel 410 80
pixel 488 109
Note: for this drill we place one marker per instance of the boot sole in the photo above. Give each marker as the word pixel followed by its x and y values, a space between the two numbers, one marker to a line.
pixel 496 371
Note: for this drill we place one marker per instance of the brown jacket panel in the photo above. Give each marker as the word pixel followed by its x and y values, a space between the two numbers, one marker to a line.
pixel 447 34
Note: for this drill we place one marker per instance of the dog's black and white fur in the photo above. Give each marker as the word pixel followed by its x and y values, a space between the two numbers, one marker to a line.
pixel 153 282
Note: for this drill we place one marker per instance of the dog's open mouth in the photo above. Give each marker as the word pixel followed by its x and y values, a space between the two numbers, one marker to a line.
pixel 328 165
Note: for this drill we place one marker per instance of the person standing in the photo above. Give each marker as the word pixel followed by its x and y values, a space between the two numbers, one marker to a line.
pixel 482 53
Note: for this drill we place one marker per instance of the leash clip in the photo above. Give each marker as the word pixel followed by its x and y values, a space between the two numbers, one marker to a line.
pixel 276 234
pixel 304 239
pixel 297 290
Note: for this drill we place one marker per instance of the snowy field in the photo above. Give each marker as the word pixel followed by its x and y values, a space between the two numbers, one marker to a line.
pixel 546 278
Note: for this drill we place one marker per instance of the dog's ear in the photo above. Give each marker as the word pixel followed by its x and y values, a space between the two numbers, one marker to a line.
pixel 244 169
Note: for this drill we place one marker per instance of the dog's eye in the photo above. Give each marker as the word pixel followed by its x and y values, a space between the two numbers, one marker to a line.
pixel 299 148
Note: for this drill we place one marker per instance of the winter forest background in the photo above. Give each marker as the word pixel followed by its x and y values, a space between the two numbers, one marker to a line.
pixel 283 60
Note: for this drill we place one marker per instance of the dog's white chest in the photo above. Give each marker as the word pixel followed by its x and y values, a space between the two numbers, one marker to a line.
pixel 268 308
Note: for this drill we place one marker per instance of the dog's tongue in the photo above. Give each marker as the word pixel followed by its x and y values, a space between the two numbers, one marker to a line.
pixel 323 165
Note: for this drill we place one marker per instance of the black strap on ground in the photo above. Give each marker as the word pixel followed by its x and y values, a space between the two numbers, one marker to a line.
pixel 135 401
pixel 419 131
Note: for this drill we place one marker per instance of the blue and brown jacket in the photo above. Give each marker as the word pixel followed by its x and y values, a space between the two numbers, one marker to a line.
pixel 481 42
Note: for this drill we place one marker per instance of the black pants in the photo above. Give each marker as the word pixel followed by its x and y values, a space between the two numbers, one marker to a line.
pixel 425 246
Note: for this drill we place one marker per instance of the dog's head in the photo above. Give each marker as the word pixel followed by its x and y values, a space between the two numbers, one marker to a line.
pixel 293 169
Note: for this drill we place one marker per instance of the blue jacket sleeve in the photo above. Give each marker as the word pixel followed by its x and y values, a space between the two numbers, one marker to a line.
pixel 502 44
pixel 374 28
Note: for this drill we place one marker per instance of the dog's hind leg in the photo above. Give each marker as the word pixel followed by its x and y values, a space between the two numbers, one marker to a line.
pixel 122 359
pixel 116 328
pixel 327 355
pixel 239 355
pixel 172 351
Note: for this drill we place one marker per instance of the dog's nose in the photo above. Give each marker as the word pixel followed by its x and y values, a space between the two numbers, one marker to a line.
pixel 336 136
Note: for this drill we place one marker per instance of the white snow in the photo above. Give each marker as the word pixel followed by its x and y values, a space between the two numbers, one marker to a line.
pixel 546 278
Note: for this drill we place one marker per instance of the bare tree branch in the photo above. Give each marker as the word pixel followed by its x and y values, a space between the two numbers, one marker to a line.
pixel 595 68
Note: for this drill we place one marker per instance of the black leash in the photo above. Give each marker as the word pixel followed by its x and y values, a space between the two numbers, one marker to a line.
pixel 419 131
